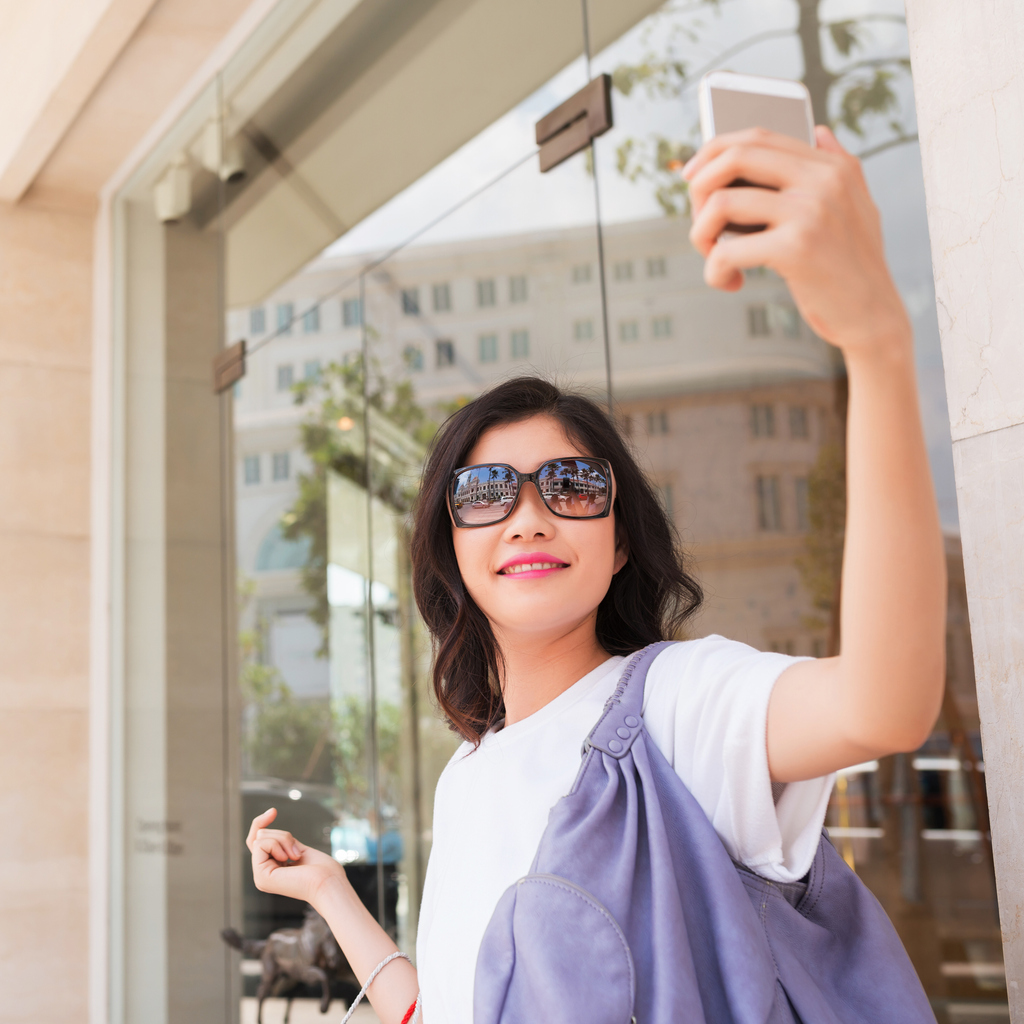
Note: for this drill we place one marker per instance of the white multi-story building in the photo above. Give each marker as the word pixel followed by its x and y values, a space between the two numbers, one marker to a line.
pixel 729 397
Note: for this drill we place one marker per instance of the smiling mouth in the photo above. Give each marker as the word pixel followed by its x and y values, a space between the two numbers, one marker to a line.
pixel 513 570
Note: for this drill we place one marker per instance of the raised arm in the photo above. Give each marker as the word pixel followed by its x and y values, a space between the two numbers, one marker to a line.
pixel 883 692
pixel 281 864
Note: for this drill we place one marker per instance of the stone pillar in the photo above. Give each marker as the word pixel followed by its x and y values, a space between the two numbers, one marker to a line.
pixel 969 84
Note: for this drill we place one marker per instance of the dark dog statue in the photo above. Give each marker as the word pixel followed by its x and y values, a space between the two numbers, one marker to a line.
pixel 309 954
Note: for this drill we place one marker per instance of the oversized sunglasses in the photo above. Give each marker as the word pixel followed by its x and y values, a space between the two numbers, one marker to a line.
pixel 573 488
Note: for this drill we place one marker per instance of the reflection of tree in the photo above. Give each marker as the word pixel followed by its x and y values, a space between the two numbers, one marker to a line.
pixel 283 737
pixel 822 563
pixel 336 401
pixel 352 773
pixel 856 92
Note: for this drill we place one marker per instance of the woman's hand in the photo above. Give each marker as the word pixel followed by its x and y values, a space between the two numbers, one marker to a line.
pixel 823 232
pixel 281 864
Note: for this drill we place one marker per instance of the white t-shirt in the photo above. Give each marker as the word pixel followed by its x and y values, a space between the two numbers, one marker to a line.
pixel 706 708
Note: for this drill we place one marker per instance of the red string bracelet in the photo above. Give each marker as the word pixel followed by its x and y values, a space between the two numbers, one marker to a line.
pixel 409 1013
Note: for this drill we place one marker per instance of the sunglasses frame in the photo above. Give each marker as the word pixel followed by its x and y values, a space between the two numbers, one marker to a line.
pixel 526 478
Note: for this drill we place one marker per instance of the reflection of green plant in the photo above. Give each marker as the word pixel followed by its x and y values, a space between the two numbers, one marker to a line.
pixel 857 91
pixel 328 439
pixel 352 754
pixel 821 565
pixel 284 737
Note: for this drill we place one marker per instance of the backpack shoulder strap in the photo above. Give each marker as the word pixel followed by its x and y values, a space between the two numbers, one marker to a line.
pixel 620 722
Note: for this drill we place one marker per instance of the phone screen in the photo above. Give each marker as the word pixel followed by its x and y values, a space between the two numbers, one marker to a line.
pixel 733 111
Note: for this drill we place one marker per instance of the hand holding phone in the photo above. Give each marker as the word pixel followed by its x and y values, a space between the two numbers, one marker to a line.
pixel 822 231
pixel 731 103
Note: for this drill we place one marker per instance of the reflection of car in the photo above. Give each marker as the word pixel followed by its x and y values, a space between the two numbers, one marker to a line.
pixel 353 842
pixel 481 504
pixel 306 810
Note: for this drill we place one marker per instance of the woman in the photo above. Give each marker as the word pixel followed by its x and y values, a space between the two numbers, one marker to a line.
pixel 526 657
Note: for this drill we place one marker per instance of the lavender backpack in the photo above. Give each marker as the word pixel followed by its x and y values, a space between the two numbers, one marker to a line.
pixel 634 911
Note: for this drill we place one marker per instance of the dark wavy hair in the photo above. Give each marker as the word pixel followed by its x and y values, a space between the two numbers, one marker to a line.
pixel 649 598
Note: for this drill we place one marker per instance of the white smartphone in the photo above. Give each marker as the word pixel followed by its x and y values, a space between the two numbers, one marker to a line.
pixel 731 102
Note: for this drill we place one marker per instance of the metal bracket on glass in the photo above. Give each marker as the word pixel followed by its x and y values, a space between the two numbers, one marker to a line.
pixel 229 367
pixel 571 126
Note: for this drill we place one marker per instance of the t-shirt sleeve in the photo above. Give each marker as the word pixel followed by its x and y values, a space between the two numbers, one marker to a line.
pixel 706 707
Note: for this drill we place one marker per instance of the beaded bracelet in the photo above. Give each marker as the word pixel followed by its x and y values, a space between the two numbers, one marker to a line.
pixel 369 981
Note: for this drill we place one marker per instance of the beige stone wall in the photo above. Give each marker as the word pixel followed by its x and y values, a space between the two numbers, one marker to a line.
pixel 45 342
pixel 970 99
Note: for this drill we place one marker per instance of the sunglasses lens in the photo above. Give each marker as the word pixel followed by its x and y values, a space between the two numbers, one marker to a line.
pixel 575 487
pixel 483 494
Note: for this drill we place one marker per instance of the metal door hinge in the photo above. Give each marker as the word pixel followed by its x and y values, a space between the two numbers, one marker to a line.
pixel 229 367
pixel 571 125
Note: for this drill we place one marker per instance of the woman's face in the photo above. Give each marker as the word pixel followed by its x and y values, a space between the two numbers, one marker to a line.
pixel 583 552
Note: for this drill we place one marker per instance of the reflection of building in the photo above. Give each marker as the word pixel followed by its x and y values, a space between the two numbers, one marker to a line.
pixel 729 398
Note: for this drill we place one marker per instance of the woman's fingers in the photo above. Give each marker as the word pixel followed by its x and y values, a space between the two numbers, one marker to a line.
pixel 281 847
pixel 286 839
pixel 759 138
pixel 747 206
pixel 759 165
pixel 730 257
pixel 260 821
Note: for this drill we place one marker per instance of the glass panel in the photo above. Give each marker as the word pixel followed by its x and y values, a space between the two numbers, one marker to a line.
pixel 457 274
pixel 740 412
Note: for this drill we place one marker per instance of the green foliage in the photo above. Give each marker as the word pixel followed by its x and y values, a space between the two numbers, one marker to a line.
pixel 658 160
pixel 863 98
pixel 283 737
pixel 821 565
pixel 861 93
pixel 845 36
pixel 352 754
pixel 332 438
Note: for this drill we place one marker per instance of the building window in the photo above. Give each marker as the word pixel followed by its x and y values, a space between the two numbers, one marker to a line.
pixel 517 288
pixel 769 516
pixel 798 421
pixel 788 319
pixel 581 273
pixel 285 377
pixel 802 509
pixel 351 313
pixel 445 353
pixel 488 348
pixel 583 330
pixel 629 330
pixel 442 298
pixel 485 292
pixel 251 469
pixel 656 266
pixel 413 356
pixel 411 301
pixel 520 344
pixel 281 467
pixel 757 321
pixel 257 320
pixel 657 422
pixel 285 316
pixel 623 270
pixel 762 420
pixel 661 327
pixel 311 371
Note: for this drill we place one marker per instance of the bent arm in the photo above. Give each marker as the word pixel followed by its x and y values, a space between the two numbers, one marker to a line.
pixel 365 944
pixel 883 692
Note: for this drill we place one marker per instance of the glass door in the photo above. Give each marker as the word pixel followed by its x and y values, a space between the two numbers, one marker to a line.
pixel 740 411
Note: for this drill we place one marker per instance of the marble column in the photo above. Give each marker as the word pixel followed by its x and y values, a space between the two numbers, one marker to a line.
pixel 968 65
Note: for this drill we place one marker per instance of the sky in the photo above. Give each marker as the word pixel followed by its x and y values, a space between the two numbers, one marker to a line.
pixel 524 200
